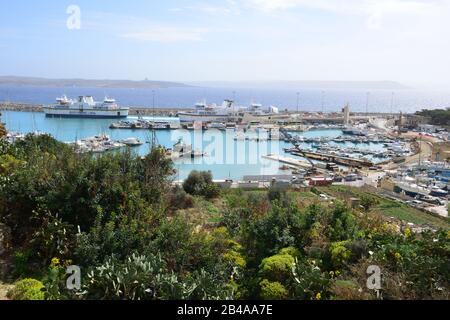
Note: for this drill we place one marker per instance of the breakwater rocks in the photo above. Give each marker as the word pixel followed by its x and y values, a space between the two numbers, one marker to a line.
pixel 134 111
pixel 12 106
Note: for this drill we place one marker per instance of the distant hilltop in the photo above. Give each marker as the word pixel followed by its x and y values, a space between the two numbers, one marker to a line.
pixel 43 82
pixel 298 85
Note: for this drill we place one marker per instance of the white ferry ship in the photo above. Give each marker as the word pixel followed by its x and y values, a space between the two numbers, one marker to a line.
pixel 227 112
pixel 208 113
pixel 85 107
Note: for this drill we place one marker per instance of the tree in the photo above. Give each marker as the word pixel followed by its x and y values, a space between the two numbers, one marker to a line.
pixel 367 202
pixel 200 183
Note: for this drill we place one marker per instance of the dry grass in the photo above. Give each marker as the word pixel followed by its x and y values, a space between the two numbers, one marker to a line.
pixel 4 288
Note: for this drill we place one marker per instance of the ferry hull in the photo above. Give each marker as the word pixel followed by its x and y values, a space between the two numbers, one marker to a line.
pixel 84 116
pixel 185 117
pixel 246 117
pixel 93 114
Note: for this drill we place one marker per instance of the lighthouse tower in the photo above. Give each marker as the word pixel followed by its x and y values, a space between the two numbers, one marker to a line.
pixel 346 112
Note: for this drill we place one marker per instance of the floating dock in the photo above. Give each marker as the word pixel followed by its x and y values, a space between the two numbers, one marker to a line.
pixel 350 162
pixel 289 161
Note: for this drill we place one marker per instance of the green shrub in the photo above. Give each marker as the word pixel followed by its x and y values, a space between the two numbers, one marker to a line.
pixel 200 183
pixel 340 254
pixel 22 263
pixel 309 281
pixel 275 193
pixel 367 202
pixel 147 278
pixel 179 199
pixel 27 289
pixel 272 290
pixel 211 191
pixel 278 267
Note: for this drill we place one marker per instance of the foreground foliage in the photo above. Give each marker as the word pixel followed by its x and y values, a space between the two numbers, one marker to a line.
pixel 135 236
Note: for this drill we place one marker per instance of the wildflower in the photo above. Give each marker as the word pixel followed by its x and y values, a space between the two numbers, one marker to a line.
pixel 55 262
pixel 407 232
pixel 318 296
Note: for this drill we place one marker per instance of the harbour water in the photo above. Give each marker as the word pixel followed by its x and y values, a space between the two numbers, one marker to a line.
pixel 227 158
pixel 405 100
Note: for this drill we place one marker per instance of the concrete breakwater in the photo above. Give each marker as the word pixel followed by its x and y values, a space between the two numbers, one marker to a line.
pixel 12 106
pixel 134 111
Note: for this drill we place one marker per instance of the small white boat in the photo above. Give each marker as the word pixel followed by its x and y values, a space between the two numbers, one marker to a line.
pixel 132 142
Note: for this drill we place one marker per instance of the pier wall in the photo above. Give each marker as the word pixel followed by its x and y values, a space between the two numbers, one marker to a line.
pixel 134 111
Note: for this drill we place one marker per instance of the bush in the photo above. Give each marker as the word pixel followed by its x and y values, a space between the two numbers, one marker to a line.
pixel 340 254
pixel 367 202
pixel 147 278
pixel 278 267
pixel 310 282
pixel 211 191
pixel 137 278
pixel 179 199
pixel 275 193
pixel 27 289
pixel 272 290
pixel 200 183
pixel 22 263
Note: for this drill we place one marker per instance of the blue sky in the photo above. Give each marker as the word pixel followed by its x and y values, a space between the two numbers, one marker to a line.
pixel 190 40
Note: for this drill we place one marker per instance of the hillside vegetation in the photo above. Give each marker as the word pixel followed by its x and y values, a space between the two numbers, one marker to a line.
pixel 135 236
pixel 437 117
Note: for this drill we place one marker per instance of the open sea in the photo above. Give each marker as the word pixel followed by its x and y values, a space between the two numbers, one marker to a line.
pixel 405 100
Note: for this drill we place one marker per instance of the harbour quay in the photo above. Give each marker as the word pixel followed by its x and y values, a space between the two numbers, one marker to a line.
pixel 134 111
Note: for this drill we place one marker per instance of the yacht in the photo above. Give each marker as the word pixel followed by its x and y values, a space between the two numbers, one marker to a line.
pixel 354 132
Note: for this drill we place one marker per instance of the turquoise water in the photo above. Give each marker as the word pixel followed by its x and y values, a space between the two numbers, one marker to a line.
pixel 226 158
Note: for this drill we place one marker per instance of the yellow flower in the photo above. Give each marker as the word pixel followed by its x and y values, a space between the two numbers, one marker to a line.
pixel 318 296
pixel 337 273
pixel 55 262
pixel 407 232
pixel 398 256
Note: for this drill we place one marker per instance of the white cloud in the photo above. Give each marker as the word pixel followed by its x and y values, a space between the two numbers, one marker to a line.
pixel 373 10
pixel 167 34
pixel 230 7
pixel 143 29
